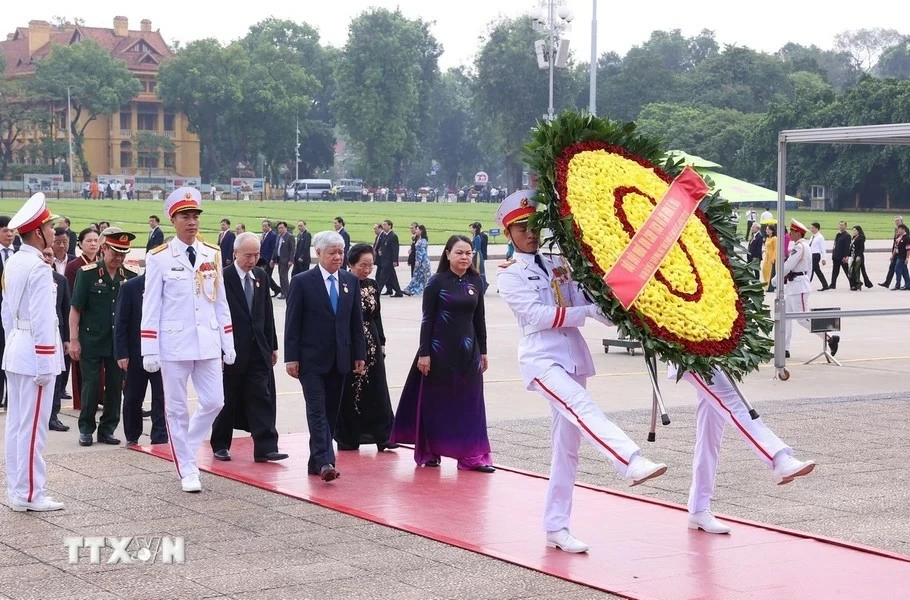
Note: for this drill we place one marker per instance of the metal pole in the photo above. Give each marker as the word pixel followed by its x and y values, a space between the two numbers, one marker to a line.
pixel 780 311
pixel 592 98
pixel 552 57
pixel 297 151
pixel 69 128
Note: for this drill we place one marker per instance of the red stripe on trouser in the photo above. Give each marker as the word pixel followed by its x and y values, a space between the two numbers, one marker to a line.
pixel 170 438
pixel 705 387
pixel 802 299
pixel 582 423
pixel 31 447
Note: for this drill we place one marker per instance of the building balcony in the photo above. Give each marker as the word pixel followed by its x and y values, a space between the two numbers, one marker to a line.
pixel 170 134
pixel 126 133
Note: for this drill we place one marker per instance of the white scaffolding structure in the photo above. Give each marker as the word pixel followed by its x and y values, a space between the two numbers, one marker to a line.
pixel 897 134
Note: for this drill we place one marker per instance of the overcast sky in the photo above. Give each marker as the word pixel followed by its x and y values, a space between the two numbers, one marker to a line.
pixel 764 25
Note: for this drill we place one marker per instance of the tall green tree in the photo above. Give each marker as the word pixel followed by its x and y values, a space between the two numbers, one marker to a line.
pixel 18 113
pixel 739 78
pixel 865 45
pixel 895 61
pixel 379 88
pixel 512 91
pixel 98 85
pixel 454 139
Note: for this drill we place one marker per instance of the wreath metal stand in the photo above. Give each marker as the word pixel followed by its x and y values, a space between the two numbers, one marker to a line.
pixel 658 406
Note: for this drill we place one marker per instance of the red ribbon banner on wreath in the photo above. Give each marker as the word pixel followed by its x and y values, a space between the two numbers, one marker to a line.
pixel 660 231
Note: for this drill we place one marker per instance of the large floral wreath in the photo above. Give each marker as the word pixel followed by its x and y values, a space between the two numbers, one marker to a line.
pixel 599 180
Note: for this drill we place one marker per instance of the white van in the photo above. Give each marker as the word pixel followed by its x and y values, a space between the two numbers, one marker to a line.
pixel 308 189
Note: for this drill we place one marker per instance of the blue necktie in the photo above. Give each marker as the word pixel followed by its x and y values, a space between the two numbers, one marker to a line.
pixel 333 294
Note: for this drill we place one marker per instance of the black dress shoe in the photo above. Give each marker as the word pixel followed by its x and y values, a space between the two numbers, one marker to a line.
pixel 85 439
pixel 66 396
pixel 383 446
pixel 132 443
pixel 432 463
pixel 108 439
pixel 833 343
pixel 328 473
pixel 485 469
pixel 787 354
pixel 224 455
pixel 56 425
pixel 347 447
pixel 270 457
pixel 157 442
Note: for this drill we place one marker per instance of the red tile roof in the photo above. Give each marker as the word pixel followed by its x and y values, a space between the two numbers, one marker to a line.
pixel 142 51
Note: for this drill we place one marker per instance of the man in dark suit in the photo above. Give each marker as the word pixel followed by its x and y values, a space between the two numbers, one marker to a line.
pixel 302 252
pixel 323 341
pixel 156 236
pixel 840 252
pixel 63 311
pixel 128 352
pixel 338 223
pixel 226 242
pixel 283 258
pixel 70 236
pixel 387 260
pixel 268 242
pixel 7 250
pixel 249 384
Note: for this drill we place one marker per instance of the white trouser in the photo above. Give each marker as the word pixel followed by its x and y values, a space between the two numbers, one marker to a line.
pixel 719 404
pixel 186 434
pixel 796 303
pixel 575 415
pixel 27 414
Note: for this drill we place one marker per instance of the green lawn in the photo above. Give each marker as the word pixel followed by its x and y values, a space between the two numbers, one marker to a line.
pixel 441 220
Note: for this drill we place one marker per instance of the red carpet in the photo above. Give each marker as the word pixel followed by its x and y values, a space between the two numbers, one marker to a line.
pixel 640 548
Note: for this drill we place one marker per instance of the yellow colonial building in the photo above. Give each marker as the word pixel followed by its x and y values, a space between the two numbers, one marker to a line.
pixel 110 140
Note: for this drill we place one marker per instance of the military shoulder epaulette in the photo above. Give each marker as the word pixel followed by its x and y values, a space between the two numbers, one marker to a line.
pixel 132 270
pixel 158 249
pixel 212 246
pixel 90 266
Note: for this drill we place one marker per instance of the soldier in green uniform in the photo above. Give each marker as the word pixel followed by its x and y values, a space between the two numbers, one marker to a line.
pixel 92 312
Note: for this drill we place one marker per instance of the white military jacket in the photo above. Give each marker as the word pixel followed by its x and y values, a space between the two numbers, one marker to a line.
pixel 185 314
pixel 799 261
pixel 550 334
pixel 33 345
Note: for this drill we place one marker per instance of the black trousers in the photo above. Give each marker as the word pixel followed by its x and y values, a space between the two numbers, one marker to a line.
pixel 890 270
pixel 59 386
pixel 836 268
pixel 322 393
pixel 137 380
pixel 268 269
pixel 300 268
pixel 387 277
pixel 250 399
pixel 817 270
pixel 283 278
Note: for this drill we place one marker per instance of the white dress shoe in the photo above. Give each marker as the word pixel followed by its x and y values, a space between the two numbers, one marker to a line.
pixel 641 469
pixel 566 542
pixel 191 483
pixel 705 521
pixel 45 505
pixel 787 468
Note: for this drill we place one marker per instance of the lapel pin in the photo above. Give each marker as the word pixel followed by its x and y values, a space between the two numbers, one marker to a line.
pixel 471 292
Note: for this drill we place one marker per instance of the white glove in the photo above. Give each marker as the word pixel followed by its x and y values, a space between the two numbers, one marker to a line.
pixel 44 379
pixel 593 312
pixel 151 363
pixel 230 356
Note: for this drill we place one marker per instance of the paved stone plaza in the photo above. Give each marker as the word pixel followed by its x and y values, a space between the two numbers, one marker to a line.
pixel 242 542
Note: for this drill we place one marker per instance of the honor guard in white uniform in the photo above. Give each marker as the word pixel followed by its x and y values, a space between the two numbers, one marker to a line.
pixel 555 362
pixel 797 269
pixel 33 357
pixel 719 403
pixel 186 330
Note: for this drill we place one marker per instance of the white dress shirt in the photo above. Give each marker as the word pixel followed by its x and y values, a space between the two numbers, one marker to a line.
pixel 329 284
pixel 818 245
pixel 241 272
pixel 60 265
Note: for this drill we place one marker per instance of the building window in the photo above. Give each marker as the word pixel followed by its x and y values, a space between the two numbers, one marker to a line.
pixel 169 121
pixel 147 122
pixel 61 120
pixel 126 159
pixel 148 86
pixel 148 161
pixel 126 120
pixel 170 160
pixel 141 47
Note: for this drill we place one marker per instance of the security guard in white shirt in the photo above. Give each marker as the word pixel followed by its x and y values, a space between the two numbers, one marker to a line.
pixel 186 327
pixel 719 404
pixel 796 270
pixel 555 362
pixel 32 359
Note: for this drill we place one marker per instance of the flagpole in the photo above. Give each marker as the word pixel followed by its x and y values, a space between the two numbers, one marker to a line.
pixel 69 129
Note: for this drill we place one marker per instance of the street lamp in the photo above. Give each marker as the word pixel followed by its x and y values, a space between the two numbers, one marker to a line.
pixel 552 18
